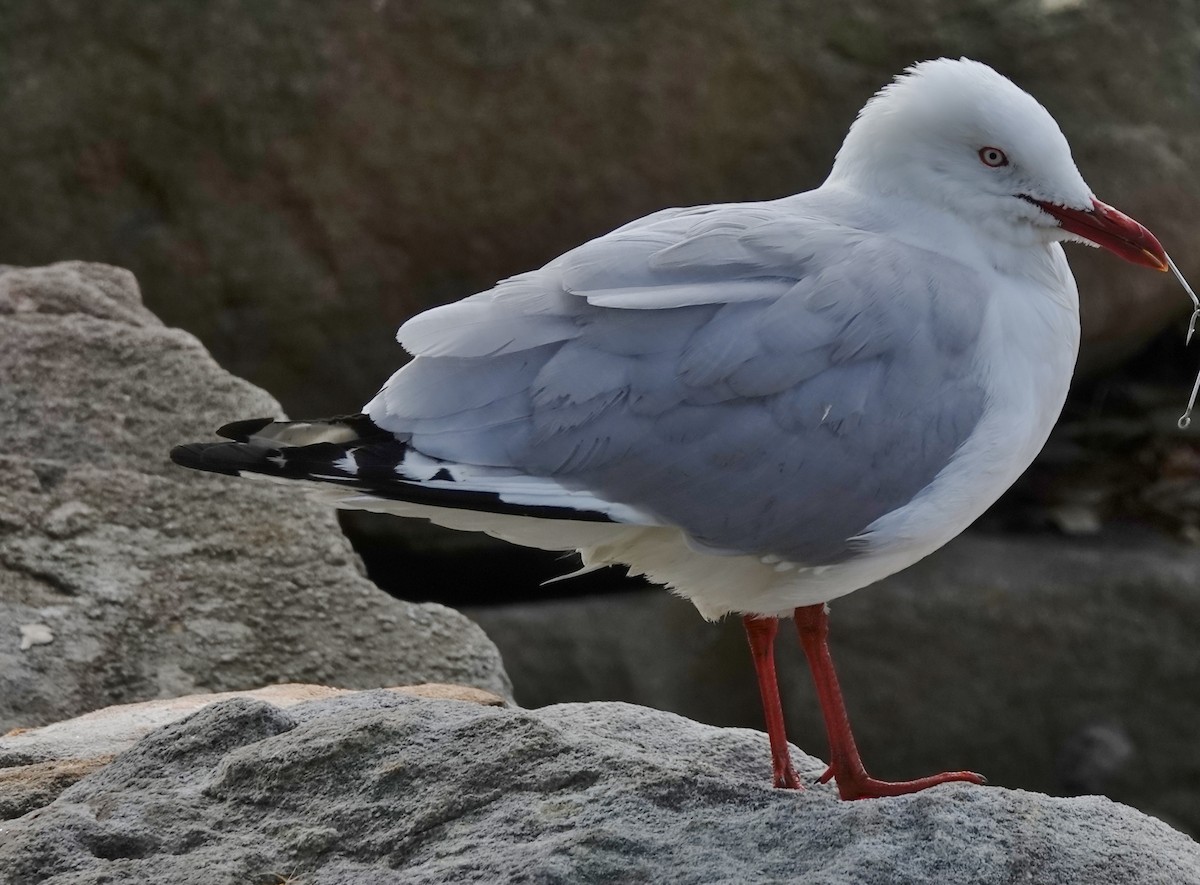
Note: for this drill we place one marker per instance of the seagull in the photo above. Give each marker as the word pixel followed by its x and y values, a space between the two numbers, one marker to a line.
pixel 764 406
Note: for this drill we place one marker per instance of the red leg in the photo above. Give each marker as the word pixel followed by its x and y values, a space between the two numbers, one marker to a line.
pixel 761 633
pixel 845 766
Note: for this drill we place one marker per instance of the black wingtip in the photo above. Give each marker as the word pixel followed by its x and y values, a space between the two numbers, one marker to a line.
pixel 374 472
pixel 241 431
pixel 195 456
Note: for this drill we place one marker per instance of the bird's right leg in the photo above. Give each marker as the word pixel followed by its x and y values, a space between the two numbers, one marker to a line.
pixel 845 765
pixel 761 633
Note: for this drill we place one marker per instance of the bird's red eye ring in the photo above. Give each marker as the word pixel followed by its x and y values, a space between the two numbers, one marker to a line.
pixel 993 157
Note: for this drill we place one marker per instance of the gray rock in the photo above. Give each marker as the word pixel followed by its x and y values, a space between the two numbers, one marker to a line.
pixel 379 788
pixel 290 180
pixel 123 577
pixel 1050 664
pixel 36 764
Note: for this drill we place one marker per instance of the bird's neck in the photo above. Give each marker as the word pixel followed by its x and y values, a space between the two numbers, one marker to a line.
pixel 972 239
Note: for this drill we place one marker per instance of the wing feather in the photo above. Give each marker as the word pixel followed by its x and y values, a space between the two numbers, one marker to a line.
pixel 751 374
pixel 480 327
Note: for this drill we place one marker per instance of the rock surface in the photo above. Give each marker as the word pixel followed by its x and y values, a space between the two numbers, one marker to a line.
pixel 376 787
pixel 1049 664
pixel 123 577
pixel 289 180
pixel 36 764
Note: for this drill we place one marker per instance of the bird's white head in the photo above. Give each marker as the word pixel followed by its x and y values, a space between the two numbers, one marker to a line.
pixel 956 135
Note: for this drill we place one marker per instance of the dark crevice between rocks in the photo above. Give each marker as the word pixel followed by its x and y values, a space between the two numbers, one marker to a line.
pixel 418 562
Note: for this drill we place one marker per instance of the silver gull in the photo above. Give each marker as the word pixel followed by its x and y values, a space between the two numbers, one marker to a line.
pixel 764 406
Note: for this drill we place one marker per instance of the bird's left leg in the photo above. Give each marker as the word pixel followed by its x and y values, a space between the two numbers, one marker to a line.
pixel 845 765
pixel 761 634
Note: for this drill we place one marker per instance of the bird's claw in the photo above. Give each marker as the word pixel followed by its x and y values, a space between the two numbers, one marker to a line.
pixel 866 787
pixel 787 779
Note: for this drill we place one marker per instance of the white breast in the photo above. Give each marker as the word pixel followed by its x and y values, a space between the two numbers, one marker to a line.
pixel 1028 348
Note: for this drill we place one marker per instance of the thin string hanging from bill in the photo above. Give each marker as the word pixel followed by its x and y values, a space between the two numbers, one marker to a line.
pixel 1186 418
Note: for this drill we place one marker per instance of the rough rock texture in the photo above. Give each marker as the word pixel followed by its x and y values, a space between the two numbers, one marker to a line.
pixel 375 787
pixel 36 764
pixel 1049 664
pixel 289 179
pixel 123 577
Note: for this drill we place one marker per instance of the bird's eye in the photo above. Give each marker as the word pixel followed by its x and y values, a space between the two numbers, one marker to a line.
pixel 993 156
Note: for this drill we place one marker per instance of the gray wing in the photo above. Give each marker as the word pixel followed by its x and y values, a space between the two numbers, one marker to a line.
pixel 769 382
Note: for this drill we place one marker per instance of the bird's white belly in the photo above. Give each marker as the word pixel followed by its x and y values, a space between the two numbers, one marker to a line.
pixel 1029 348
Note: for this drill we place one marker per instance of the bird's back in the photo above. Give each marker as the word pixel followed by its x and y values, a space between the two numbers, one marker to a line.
pixel 753 374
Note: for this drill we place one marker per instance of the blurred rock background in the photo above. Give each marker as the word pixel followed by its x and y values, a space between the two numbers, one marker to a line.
pixel 290 180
